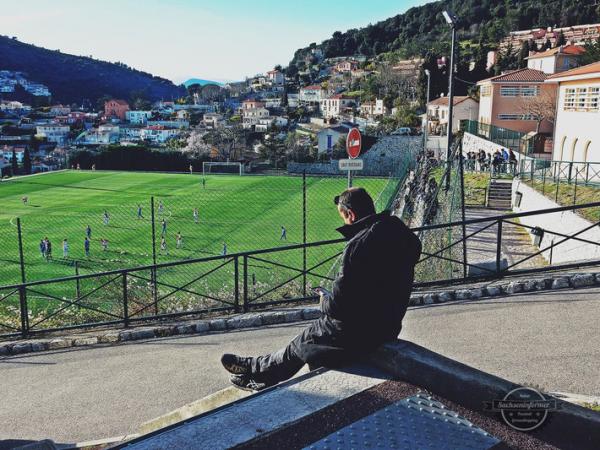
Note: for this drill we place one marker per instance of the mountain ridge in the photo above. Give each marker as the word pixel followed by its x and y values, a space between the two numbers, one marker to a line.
pixel 71 78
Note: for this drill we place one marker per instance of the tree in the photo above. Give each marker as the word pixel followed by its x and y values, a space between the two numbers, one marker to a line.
pixel 272 149
pixel 523 54
pixel 14 163
pixel 540 107
pixel 27 161
pixel 592 52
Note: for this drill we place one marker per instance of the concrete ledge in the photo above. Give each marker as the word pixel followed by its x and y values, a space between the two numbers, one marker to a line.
pixel 570 427
pixel 208 403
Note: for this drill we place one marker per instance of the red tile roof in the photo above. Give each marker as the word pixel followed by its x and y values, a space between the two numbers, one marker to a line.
pixel 518 76
pixel 314 87
pixel 443 101
pixel 565 50
pixel 119 102
pixel 583 70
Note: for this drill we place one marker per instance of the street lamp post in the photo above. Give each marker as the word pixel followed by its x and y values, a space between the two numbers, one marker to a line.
pixel 428 73
pixel 451 19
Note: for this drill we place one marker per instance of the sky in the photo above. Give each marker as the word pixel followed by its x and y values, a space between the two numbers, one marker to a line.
pixel 181 39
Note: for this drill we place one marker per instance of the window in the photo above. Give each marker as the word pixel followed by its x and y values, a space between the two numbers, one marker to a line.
pixel 509 91
pixel 516 117
pixel 580 99
pixel 569 103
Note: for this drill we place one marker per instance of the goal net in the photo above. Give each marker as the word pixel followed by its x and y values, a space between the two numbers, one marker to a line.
pixel 222 167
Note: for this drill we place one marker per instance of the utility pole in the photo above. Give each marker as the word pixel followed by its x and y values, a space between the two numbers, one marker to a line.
pixel 451 19
pixel 428 73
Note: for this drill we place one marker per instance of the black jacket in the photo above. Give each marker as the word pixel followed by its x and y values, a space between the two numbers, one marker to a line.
pixel 371 292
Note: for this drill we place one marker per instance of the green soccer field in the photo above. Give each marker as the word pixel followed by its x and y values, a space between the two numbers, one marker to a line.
pixel 241 212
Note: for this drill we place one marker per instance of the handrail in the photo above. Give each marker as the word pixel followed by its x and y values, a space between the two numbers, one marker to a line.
pixel 232 256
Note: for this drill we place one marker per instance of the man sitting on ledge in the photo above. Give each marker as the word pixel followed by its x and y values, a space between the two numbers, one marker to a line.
pixel 369 299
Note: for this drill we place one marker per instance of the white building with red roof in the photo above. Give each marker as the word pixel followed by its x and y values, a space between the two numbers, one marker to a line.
pixel 311 95
pixel 464 108
pixel 576 133
pixel 335 105
pixel 556 59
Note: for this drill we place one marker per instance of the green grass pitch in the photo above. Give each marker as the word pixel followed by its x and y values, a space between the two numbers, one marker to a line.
pixel 245 212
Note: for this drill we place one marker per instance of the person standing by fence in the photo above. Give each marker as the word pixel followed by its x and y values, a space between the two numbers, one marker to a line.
pixel 86 246
pixel 43 248
pixel 88 232
pixel 65 249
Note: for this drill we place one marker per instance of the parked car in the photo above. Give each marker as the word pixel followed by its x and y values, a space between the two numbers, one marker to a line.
pixel 402 131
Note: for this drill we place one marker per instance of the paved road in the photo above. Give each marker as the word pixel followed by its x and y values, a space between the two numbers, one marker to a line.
pixel 550 340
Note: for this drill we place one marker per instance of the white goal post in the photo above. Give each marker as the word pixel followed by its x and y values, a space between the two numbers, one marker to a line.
pixel 213 167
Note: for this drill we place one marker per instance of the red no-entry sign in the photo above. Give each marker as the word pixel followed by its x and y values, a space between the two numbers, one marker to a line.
pixel 353 143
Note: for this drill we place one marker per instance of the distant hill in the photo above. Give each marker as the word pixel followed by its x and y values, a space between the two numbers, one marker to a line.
pixel 422 29
pixel 73 78
pixel 200 81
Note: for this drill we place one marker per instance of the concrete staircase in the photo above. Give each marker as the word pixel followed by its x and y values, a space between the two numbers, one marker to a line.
pixel 499 194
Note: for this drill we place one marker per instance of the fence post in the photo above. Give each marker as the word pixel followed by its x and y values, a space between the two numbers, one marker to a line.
pixel 498 246
pixel 22 290
pixel 77 282
pixel 557 186
pixel 125 300
pixel 236 286
pixel 587 173
pixel 304 212
pixel 153 273
pixel 570 172
pixel 544 181
pixel 462 206
pixel 245 277
pixel 575 189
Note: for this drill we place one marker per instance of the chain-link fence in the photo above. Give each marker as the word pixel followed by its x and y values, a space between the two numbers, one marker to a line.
pixel 174 225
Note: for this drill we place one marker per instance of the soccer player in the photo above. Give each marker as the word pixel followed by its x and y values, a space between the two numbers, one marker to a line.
pixel 203 183
pixel 139 212
pixel 224 251
pixel 25 199
pixel 88 232
pixel 104 243
pixel 161 207
pixel 48 248
pixel 163 225
pixel 65 248
pixel 86 246
pixel 179 240
pixel 283 234
pixel 163 246
pixel 43 248
pixel 105 217
pixel 191 169
pixel 93 167
pixel 196 215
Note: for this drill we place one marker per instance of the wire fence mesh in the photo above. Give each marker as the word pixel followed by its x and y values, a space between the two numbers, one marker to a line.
pixel 83 224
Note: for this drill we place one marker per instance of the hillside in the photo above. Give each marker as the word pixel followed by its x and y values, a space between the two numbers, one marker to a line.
pixel 74 78
pixel 418 30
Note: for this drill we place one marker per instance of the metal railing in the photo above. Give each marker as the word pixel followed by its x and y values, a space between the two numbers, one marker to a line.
pixel 248 280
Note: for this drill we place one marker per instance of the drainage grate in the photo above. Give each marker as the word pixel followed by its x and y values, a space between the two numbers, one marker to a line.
pixel 417 422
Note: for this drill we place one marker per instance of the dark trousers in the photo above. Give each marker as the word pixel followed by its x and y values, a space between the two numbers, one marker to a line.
pixel 318 346
pixel 277 366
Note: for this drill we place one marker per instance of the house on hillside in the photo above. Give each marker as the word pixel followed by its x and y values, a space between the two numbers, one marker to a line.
pixel 328 137
pixel 373 108
pixel 311 95
pixel 556 59
pixel 335 105
pixel 54 132
pixel 505 100
pixel 464 108
pixel 115 109
pixel 138 117
pixel 576 136
pixel 275 77
pixel 346 66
